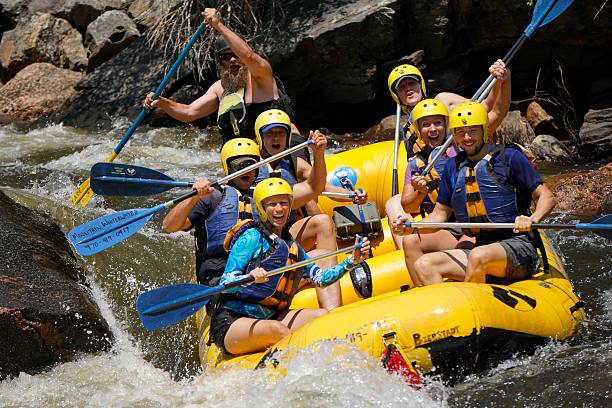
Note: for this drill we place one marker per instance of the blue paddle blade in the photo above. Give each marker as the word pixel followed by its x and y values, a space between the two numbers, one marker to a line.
pixel 602 226
pixel 116 179
pixel 104 232
pixel 162 307
pixel 544 12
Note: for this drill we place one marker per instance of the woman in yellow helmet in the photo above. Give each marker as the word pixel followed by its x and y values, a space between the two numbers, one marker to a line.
pixel 486 182
pixel 311 228
pixel 252 318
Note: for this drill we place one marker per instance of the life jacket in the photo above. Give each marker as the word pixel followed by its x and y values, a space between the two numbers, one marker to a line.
pixel 279 290
pixel 286 168
pixel 412 142
pixel 236 118
pixel 417 164
pixel 209 237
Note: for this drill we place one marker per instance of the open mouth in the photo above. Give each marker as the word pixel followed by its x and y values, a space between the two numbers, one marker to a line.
pixel 276 146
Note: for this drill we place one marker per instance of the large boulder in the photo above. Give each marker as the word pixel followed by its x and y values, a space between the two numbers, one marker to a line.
pixel 107 35
pixel 47 314
pixel 147 13
pixel 37 91
pixel 44 38
pixel 549 148
pixel 585 192
pixel 514 129
pixel 80 13
pixel 116 88
pixel 595 137
pixel 540 121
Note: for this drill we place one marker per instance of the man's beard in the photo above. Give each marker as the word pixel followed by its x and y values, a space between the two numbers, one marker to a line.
pixel 232 83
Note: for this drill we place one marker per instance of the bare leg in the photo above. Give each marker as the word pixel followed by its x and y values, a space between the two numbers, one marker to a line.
pixel 486 260
pixel 393 208
pixel 432 268
pixel 248 335
pixel 416 245
pixel 317 232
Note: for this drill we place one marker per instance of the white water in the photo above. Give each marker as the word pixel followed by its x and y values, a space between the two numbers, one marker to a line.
pixel 45 166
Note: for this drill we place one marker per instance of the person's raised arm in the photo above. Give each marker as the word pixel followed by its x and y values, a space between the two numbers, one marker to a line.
pixel 414 194
pixel 314 185
pixel 259 67
pixel 501 95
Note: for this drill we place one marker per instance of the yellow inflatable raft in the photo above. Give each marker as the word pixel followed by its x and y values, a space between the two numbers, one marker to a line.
pixel 455 327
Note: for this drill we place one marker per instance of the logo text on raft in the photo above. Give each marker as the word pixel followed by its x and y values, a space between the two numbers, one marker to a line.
pixel 440 334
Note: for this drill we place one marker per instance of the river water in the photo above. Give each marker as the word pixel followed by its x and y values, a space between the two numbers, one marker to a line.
pixel 42 168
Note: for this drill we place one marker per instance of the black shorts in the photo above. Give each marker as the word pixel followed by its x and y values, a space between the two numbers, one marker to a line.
pixel 521 259
pixel 220 323
pixel 521 256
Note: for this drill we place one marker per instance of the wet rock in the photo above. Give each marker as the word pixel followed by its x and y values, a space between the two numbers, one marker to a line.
pixel 384 130
pixel 37 91
pixel 585 192
pixel 540 121
pixel 606 207
pixel 595 137
pixel 46 311
pixel 549 148
pixel 44 38
pixel 107 35
pixel 514 129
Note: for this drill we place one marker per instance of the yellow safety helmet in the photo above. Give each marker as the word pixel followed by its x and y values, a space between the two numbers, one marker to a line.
pixel 269 187
pixel 270 119
pixel 470 114
pixel 404 71
pixel 428 107
pixel 239 147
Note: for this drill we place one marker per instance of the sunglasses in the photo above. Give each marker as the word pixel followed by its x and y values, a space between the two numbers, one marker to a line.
pixel 226 56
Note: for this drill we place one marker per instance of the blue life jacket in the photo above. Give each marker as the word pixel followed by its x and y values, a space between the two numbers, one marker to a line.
pixel 278 291
pixel 285 169
pixel 232 208
pixel 481 195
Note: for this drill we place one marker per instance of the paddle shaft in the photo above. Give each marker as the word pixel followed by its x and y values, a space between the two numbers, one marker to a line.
pixel 160 88
pixel 486 87
pixel 505 225
pixel 394 180
pixel 172 203
pixel 138 180
pixel 194 298
pixel 84 192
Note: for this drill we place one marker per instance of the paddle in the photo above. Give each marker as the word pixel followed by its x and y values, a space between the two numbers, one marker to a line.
pixel 104 232
pixel 116 179
pixel 167 305
pixel 544 12
pixel 394 181
pixel 83 193
pixel 601 226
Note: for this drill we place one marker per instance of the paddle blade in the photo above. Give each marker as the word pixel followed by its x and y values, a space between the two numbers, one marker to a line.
pixel 544 12
pixel 162 307
pixel 601 226
pixel 104 232
pixel 116 179
pixel 82 194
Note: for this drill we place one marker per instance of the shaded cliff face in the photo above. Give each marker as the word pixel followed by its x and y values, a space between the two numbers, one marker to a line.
pixel 46 313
